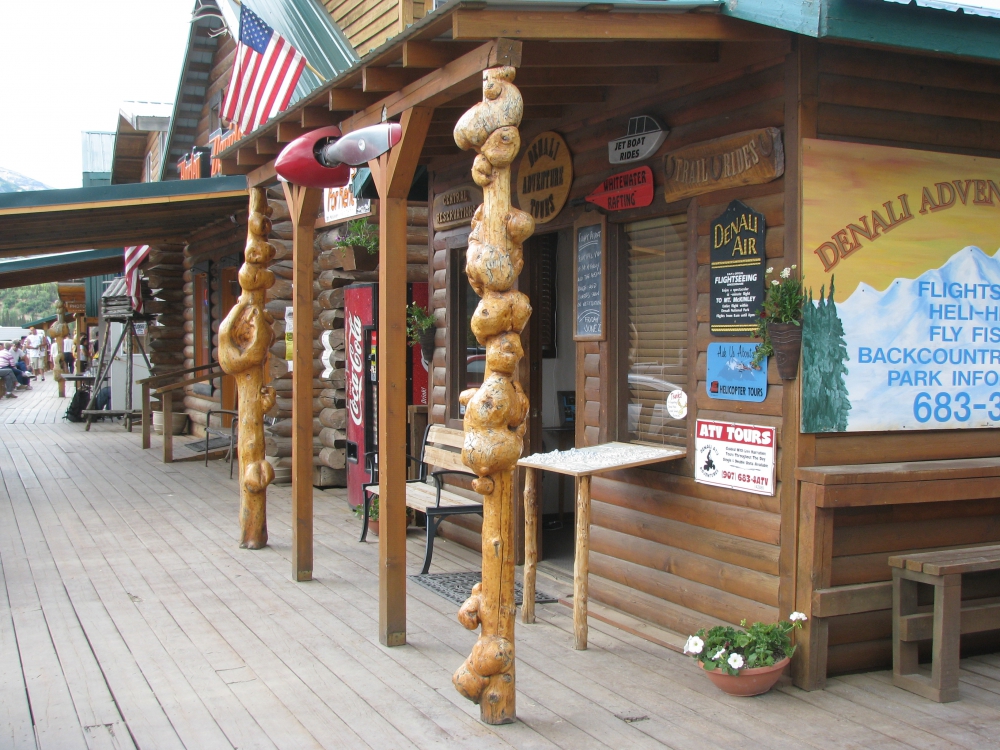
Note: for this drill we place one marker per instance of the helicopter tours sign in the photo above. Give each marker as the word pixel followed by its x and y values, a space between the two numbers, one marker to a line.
pixel 737 456
pixel 731 374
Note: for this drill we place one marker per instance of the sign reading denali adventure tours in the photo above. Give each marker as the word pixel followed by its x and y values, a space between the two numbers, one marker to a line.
pixel 456 207
pixel 544 177
pixel 749 158
pixel 739 456
pixel 900 252
pixel 737 275
pixel 632 189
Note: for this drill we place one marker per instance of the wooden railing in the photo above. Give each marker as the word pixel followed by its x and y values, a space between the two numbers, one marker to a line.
pixel 164 386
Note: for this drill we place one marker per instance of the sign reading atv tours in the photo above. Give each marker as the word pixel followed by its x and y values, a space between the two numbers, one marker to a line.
pixel 900 250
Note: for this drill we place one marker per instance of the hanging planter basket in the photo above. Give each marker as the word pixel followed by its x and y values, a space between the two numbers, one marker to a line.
pixel 427 344
pixel 786 340
pixel 357 258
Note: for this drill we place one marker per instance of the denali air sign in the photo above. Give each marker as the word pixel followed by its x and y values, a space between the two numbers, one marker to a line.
pixel 644 136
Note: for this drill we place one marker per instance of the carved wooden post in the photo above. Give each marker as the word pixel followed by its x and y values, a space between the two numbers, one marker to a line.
pixel 495 412
pixel 58 331
pixel 244 339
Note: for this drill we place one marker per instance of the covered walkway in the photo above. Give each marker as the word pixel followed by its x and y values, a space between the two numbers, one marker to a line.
pixel 130 618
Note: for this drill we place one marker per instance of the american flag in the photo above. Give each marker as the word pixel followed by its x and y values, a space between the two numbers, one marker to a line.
pixel 265 72
pixel 134 256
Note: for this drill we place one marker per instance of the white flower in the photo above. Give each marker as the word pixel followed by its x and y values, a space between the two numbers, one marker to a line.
pixel 735 661
pixel 786 272
pixel 718 654
pixel 794 266
pixel 796 616
pixel 694 645
pixel 770 269
pixel 774 282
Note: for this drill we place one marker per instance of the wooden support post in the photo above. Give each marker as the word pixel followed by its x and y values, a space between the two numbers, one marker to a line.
pixel 393 173
pixel 495 412
pixel 815 558
pixel 58 331
pixel 530 544
pixel 147 416
pixel 167 399
pixel 303 205
pixel 581 563
pixel 244 339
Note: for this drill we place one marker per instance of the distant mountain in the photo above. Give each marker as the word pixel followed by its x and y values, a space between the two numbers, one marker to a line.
pixel 15 182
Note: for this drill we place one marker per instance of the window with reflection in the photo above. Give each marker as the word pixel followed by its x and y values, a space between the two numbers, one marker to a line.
pixel 658 363
pixel 470 361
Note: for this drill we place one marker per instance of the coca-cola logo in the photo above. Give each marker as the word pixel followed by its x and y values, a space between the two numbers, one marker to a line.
pixel 355 368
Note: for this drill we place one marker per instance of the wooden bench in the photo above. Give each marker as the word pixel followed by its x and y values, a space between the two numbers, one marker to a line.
pixel 440 456
pixel 945 624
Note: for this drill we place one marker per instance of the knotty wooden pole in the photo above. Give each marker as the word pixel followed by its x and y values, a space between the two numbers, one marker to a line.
pixel 393 173
pixel 581 563
pixel 167 400
pixel 58 331
pixel 303 205
pixel 530 544
pixel 495 412
pixel 244 339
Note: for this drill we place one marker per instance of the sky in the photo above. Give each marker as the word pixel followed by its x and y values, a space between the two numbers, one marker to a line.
pixel 843 182
pixel 69 64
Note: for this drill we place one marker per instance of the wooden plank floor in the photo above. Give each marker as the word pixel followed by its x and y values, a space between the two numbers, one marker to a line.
pixel 130 619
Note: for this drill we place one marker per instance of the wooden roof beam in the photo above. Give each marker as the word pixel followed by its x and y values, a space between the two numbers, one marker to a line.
pixel 267 146
pixel 418 54
pixel 605 54
pixel 289 131
pixel 351 99
pixel 442 85
pixel 316 117
pixel 249 157
pixel 471 24
pixel 389 79
pixel 640 75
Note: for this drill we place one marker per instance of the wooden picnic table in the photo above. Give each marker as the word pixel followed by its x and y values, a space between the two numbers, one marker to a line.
pixel 581 463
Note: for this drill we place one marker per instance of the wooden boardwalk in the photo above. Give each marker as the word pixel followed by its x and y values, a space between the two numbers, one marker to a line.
pixel 129 618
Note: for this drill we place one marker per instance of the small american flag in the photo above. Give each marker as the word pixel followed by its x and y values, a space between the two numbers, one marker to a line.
pixel 265 72
pixel 134 256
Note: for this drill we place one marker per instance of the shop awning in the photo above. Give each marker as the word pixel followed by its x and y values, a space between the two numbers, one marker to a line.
pixel 42 222
pixel 42 269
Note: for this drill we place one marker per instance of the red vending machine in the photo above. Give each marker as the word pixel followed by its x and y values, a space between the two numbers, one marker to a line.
pixel 361 342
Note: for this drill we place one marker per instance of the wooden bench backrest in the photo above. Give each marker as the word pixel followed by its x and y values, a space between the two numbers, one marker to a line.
pixel 443 448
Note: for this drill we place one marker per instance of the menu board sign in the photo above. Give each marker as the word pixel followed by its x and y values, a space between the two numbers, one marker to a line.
pixel 737 282
pixel 589 269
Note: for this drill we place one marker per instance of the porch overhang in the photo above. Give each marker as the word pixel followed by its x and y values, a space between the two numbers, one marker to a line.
pixel 42 269
pixel 44 222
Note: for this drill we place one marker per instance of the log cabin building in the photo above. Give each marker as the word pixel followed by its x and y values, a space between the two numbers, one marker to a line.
pixel 748 104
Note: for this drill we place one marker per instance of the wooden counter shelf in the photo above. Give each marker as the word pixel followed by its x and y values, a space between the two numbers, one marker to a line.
pixel 826 489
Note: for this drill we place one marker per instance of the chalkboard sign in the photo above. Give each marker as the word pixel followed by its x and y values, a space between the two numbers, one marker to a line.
pixel 589 270
pixel 737 254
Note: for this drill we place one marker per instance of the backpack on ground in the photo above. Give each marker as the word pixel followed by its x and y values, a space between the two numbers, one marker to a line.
pixel 74 413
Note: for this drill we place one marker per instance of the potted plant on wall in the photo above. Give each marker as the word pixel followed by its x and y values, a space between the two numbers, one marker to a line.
pixel 779 326
pixel 372 514
pixel 420 331
pixel 358 246
pixel 745 662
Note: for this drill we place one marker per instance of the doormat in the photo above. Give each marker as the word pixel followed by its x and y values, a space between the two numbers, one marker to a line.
pixel 198 446
pixel 456 587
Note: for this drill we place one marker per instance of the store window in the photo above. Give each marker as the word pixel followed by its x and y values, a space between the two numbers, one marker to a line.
pixel 202 320
pixel 470 364
pixel 658 362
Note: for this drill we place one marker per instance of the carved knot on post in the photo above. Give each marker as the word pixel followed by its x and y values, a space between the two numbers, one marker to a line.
pixel 244 339
pixel 495 411
pixel 58 331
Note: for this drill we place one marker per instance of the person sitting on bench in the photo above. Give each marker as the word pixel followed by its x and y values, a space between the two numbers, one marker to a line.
pixel 9 360
pixel 9 381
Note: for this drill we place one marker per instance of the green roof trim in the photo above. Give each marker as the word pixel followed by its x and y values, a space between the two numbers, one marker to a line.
pixel 881 23
pixel 58 259
pixel 118 193
pixel 41 321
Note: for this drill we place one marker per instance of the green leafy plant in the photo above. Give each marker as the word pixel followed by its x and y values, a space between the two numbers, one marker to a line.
pixel 730 649
pixel 783 303
pixel 418 320
pixel 359 234
pixel 359 510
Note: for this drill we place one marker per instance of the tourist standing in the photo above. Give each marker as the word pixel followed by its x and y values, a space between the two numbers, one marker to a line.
pixel 33 344
pixel 67 352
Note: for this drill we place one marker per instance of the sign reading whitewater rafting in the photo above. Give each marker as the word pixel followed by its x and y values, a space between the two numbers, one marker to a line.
pixel 632 189
pixel 900 250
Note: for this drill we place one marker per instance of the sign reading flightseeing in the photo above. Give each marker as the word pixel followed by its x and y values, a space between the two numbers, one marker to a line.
pixel 738 456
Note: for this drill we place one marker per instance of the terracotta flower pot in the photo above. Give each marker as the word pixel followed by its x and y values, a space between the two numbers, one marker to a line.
pixel 748 682
pixel 357 258
pixel 372 526
pixel 786 338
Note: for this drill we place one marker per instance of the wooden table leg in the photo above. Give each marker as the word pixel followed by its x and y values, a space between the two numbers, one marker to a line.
pixel 168 427
pixel 146 416
pixel 530 544
pixel 581 564
pixel 947 638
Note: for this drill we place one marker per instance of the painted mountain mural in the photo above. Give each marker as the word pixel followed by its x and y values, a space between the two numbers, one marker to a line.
pixel 923 354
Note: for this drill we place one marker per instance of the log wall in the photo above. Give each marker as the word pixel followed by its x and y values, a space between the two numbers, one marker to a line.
pixel 368 23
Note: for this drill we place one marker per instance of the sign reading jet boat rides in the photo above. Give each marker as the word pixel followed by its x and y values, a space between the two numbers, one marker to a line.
pixel 644 136
pixel 900 250
pixel 736 290
pixel 738 456
pixel 730 374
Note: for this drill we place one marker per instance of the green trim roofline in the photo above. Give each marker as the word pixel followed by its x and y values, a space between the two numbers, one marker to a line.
pixel 878 22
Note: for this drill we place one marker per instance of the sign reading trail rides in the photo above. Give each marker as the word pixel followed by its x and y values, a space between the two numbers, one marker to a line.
pixel 737 283
pixel 738 456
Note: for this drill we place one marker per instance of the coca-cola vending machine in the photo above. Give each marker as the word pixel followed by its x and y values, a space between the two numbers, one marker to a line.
pixel 361 343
